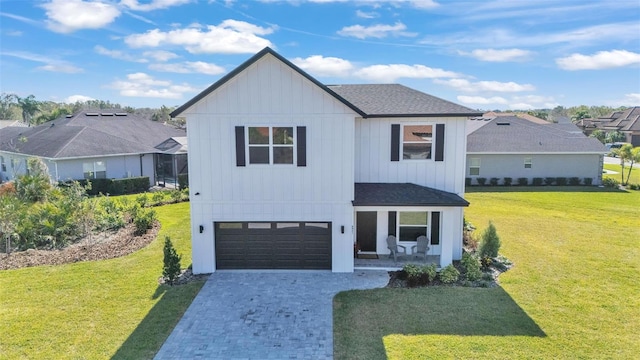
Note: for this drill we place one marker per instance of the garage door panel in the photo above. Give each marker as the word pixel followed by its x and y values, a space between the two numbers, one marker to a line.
pixel 282 245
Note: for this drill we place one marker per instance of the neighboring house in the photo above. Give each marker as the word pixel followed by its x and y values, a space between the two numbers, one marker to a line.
pixel 626 121
pixel 511 146
pixel 287 173
pixel 87 145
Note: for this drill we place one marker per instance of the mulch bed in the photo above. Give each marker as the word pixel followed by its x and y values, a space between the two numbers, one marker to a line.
pixel 97 247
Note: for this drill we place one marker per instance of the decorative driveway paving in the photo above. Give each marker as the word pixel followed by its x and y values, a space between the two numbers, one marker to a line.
pixel 264 315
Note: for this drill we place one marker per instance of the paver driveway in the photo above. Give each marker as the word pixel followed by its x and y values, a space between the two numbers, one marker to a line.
pixel 264 315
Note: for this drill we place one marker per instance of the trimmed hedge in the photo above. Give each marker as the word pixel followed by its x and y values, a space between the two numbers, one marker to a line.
pixel 132 185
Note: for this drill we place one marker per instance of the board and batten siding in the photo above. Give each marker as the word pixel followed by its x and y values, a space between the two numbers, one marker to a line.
pixel 542 165
pixel 373 161
pixel 269 93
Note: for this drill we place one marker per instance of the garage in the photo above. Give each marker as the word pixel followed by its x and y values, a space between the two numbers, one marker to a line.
pixel 273 245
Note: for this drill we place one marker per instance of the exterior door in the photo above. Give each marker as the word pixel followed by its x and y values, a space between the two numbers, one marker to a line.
pixel 366 224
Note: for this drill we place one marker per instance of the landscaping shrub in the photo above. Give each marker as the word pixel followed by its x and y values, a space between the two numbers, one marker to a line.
pixel 132 185
pixel 549 180
pixel 610 183
pixel 176 195
pixel 471 266
pixel 587 181
pixel 490 244
pixel 171 261
pixel 7 189
pixel 561 181
pixel 537 181
pixel 481 181
pixel 109 214
pixel 157 197
pixel 574 181
pixel 143 219
pixel 523 181
pixel 183 181
pixel 142 200
pixel 493 181
pixel 634 186
pixel 449 274
pixel 467 181
pixel 419 275
pixel 507 181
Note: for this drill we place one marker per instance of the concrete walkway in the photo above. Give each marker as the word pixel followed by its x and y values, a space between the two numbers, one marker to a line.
pixel 264 315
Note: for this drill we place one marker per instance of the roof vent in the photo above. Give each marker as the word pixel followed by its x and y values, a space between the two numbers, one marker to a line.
pixel 121 114
pixel 69 116
pixel 106 114
pixel 92 114
pixel 53 124
pixel 503 123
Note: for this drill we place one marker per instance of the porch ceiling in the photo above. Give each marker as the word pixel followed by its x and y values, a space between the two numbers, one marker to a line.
pixel 403 194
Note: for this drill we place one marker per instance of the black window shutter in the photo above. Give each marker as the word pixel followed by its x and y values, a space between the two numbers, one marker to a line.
pixel 302 145
pixel 392 223
pixel 435 228
pixel 240 156
pixel 439 142
pixel 395 142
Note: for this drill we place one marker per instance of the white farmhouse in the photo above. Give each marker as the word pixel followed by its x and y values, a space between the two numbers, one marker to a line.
pixel 288 173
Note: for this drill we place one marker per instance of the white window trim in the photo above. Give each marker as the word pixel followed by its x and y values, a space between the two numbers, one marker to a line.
pixel 93 171
pixel 428 226
pixel 271 145
pixel 528 161
pixel 473 166
pixel 433 140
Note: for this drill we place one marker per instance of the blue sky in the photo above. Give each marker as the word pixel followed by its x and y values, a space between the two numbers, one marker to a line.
pixel 483 54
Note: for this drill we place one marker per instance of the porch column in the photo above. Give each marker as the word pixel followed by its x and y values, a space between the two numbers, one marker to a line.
pixel 446 238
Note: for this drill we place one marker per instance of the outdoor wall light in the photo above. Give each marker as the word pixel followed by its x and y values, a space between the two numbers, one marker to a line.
pixel 201 229
pixel 198 193
pixel 342 229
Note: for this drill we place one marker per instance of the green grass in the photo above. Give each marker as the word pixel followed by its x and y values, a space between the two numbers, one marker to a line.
pixel 100 309
pixel 573 292
pixel 635 172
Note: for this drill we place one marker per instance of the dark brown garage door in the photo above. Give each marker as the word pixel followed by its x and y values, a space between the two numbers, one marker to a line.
pixel 273 245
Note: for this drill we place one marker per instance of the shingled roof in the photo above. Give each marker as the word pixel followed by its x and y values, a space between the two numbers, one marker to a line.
pixel 393 100
pixel 368 100
pixel 87 134
pixel 403 194
pixel 516 135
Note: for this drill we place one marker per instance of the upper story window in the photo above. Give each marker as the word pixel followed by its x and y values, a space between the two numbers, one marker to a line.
pixel 271 145
pixel 417 141
pixel 3 166
pixel 94 170
pixel 474 166
pixel 527 163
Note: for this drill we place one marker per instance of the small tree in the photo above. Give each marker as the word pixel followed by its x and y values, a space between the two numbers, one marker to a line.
pixel 627 154
pixel 171 269
pixel 490 244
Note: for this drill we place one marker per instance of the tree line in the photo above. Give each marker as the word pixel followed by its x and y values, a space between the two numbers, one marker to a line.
pixel 34 112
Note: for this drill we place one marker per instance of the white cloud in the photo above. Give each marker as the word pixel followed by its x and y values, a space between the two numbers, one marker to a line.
pixel 160 55
pixel 61 68
pixel 606 33
pixel 521 106
pixel 66 16
pixel 152 5
pixel 631 99
pixel 599 60
pixel 189 67
pixel 479 100
pixel 324 66
pixel 117 54
pixel 499 55
pixel 392 72
pixel 144 85
pixel 366 15
pixel 376 31
pixel 77 98
pixel 50 64
pixel 418 4
pixel 230 37
pixel 493 86
pixel 533 102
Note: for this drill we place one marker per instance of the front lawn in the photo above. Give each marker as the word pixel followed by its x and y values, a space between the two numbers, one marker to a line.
pixel 573 292
pixel 635 172
pixel 99 309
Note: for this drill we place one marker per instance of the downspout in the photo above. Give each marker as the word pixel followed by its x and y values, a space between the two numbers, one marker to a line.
pixel 141 155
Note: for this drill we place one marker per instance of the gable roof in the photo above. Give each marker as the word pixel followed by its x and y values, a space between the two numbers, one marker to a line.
pixel 403 194
pixel 88 134
pixel 367 100
pixel 516 135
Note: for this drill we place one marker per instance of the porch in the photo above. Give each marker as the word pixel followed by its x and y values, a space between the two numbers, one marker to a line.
pixel 384 262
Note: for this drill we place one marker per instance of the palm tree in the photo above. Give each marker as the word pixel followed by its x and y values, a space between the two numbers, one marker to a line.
pixel 29 107
pixel 628 153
